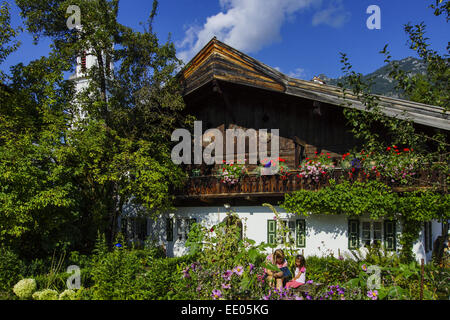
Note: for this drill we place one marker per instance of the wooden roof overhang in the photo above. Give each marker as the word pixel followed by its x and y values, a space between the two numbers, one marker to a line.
pixel 218 61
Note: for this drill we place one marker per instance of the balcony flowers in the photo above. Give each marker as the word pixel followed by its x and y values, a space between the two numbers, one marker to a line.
pixel 232 173
pixel 274 166
pixel 317 167
pixel 398 165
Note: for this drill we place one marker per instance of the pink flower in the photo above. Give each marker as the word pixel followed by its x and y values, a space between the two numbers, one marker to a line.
pixel 239 270
pixel 216 294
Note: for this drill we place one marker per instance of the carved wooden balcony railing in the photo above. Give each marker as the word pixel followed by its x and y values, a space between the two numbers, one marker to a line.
pixel 275 185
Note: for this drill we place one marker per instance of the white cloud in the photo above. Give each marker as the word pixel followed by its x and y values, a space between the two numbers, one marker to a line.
pixel 334 15
pixel 247 25
pixel 298 73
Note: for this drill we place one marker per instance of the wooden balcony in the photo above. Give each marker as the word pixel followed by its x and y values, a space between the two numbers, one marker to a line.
pixel 211 187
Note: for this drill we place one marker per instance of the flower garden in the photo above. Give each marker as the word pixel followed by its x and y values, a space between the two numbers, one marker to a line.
pixel 222 265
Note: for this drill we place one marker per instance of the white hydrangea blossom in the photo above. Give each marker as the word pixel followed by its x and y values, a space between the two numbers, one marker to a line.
pixel 67 294
pixel 25 288
pixel 46 294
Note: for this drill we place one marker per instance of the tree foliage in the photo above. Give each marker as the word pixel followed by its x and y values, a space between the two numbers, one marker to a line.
pixel 74 158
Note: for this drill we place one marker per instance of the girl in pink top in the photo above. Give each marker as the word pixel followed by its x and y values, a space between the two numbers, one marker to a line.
pixel 278 259
pixel 300 272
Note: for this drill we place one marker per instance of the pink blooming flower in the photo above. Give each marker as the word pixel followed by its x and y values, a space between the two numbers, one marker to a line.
pixel 239 270
pixel 373 294
pixel 186 273
pixel 227 275
pixel 216 294
pixel 226 286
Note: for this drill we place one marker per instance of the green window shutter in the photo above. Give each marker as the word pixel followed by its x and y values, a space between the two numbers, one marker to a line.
pixel 169 229
pixel 389 235
pixel 300 233
pixel 353 234
pixel 271 231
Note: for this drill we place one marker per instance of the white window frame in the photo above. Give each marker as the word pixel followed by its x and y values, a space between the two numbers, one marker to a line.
pixel 182 227
pixel 292 224
pixel 372 232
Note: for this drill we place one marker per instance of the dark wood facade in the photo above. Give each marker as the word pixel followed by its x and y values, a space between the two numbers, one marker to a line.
pixel 225 89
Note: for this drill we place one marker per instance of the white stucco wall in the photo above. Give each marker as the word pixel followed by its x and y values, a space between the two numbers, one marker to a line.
pixel 324 233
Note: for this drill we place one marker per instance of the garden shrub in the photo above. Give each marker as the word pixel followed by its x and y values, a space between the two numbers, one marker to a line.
pixel 330 270
pixel 114 275
pixel 165 280
pixel 67 294
pixel 46 294
pixel 12 269
pixel 229 266
pixel 37 266
pixel 25 288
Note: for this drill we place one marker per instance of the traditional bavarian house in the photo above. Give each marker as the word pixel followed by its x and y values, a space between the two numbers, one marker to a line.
pixel 224 89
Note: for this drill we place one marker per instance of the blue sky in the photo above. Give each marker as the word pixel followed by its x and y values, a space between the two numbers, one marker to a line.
pixel 301 38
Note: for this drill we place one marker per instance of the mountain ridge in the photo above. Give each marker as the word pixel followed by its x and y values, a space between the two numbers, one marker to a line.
pixel 383 84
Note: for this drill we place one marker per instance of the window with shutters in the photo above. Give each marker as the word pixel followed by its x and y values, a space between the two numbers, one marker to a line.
pixel 390 241
pixel 295 234
pixel 184 226
pixel 353 234
pixel 169 229
pixel 371 233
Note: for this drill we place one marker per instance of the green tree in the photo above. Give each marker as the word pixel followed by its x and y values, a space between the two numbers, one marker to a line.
pixel 63 171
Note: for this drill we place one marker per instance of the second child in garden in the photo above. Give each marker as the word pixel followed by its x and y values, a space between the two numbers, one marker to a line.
pixel 300 273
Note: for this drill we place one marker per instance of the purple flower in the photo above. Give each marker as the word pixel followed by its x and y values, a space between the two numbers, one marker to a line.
pixel 239 270
pixel 186 273
pixel 309 282
pixel 226 286
pixel 216 294
pixel 341 258
pixel 373 294
pixel 227 275
pixel 308 297
pixel 268 164
pixel 364 267
pixel 251 267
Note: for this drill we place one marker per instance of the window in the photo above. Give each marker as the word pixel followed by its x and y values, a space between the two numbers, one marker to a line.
pixel 83 62
pixel 389 235
pixel 296 232
pixel 366 234
pixel 134 228
pixel 428 236
pixel 371 234
pixel 169 229
pixel 184 226
pixel 353 234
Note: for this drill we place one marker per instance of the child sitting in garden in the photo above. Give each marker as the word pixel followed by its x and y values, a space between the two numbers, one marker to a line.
pixel 278 259
pixel 300 273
